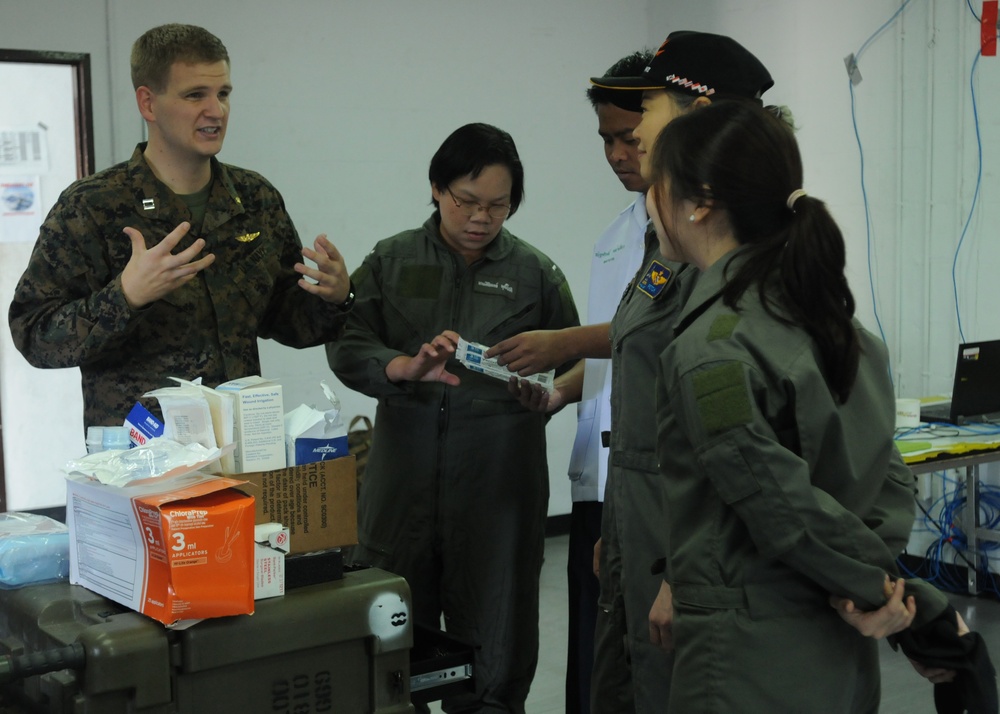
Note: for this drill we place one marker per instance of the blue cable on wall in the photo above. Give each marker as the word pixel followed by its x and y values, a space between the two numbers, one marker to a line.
pixel 864 189
pixel 975 195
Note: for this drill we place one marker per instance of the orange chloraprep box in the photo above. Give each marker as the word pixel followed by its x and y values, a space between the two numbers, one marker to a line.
pixel 172 548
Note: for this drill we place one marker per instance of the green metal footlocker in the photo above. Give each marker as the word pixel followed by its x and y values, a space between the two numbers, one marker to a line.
pixel 341 646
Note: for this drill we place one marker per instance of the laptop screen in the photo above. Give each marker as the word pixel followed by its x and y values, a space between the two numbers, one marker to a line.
pixel 977 379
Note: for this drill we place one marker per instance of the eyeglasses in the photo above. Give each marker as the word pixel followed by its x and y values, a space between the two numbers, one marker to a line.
pixel 471 208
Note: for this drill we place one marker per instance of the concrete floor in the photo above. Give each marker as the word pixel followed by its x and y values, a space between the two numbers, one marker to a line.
pixel 903 690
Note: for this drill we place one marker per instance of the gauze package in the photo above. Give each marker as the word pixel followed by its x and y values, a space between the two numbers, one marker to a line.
pixel 195 414
pixel 473 357
pixel 313 435
pixel 258 429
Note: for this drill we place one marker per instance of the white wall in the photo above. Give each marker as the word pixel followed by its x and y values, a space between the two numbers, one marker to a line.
pixel 914 118
pixel 341 105
pixel 26 412
pixel 37 442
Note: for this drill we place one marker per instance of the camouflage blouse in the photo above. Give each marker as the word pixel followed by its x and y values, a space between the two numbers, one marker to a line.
pixel 69 309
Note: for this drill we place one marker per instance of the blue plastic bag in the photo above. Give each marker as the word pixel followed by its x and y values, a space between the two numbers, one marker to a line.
pixel 33 549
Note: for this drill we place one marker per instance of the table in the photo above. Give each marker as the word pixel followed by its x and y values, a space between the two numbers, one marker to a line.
pixel 966 451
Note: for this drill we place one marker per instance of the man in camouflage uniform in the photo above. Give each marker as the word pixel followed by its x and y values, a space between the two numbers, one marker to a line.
pixel 172 263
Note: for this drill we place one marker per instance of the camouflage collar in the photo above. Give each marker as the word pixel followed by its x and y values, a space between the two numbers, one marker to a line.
pixel 154 200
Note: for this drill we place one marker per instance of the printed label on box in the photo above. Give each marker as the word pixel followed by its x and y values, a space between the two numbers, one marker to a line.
pixel 172 548
pixel 317 502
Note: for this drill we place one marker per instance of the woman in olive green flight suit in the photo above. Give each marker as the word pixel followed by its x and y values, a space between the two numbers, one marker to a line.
pixel 456 486
pixel 775 425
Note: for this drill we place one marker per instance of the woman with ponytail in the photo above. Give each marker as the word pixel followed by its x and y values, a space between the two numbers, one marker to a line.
pixel 784 491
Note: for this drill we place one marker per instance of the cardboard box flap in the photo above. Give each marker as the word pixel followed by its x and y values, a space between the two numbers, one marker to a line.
pixel 317 502
pixel 190 483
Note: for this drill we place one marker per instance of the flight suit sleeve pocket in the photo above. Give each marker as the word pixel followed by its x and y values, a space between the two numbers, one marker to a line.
pixel 729 472
pixel 744 482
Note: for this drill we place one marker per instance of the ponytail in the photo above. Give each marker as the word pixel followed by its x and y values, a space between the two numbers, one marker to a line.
pixel 744 159
pixel 816 291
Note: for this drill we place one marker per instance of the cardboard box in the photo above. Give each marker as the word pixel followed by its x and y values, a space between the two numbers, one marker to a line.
pixel 317 502
pixel 258 423
pixel 173 548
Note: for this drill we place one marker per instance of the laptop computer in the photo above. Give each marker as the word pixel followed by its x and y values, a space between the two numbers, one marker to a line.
pixel 975 395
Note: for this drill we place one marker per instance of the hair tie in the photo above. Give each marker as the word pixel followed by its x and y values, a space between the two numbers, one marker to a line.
pixel 793 197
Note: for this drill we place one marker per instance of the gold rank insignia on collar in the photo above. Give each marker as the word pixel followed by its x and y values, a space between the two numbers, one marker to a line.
pixel 655 279
pixel 148 204
pixel 247 237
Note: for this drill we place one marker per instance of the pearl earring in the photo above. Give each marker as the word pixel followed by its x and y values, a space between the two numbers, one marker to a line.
pixel 691 218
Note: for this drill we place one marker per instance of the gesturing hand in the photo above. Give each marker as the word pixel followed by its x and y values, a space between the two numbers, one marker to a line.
pixel 428 365
pixel 332 279
pixel 152 273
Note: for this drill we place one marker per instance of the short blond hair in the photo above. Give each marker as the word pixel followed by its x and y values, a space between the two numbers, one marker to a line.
pixel 158 49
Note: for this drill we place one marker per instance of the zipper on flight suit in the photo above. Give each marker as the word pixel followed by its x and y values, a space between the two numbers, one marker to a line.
pixel 442 416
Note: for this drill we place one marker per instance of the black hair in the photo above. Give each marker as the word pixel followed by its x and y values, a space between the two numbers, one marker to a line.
pixel 741 158
pixel 470 149
pixel 628 99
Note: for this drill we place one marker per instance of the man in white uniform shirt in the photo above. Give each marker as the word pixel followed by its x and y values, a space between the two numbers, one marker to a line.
pixel 617 256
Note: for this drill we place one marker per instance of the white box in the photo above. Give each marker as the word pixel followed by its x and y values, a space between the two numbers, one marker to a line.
pixel 272 543
pixel 259 427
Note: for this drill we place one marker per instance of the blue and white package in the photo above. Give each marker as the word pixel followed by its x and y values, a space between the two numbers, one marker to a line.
pixel 312 435
pixel 309 450
pixel 142 425
pixel 33 549
pixel 473 357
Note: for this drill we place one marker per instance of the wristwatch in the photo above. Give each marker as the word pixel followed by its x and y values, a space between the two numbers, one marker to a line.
pixel 349 302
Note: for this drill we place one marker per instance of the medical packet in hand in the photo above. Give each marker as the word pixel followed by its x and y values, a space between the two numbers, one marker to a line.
pixel 473 356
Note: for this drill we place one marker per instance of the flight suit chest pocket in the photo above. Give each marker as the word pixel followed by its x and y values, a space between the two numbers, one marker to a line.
pixel 415 303
pixel 419 282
